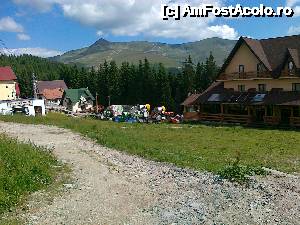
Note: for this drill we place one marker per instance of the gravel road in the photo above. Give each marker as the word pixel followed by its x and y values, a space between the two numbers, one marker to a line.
pixel 110 187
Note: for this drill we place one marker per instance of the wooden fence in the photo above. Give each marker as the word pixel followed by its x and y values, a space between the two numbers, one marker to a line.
pixel 241 119
pixel 271 120
pixel 230 118
pixel 295 121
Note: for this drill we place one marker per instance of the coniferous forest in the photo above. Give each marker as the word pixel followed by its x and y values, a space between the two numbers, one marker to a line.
pixel 126 84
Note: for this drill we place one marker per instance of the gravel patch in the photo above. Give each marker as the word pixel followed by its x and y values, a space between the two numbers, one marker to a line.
pixel 111 187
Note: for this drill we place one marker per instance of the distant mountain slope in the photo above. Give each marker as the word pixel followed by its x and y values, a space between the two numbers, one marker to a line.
pixel 172 55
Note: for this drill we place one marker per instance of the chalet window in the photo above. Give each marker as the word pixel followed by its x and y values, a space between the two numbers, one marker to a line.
pixel 296 111
pixel 291 66
pixel 296 87
pixel 212 108
pixel 260 68
pixel 241 88
pixel 241 68
pixel 191 109
pixel 262 87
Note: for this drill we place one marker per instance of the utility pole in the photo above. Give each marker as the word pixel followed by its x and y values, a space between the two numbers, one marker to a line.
pixel 108 100
pixel 34 86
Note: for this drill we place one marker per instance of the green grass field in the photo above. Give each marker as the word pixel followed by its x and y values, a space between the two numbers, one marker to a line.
pixel 200 147
pixel 24 168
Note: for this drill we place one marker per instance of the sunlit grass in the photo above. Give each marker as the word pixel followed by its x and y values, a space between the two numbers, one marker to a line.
pixel 24 168
pixel 196 146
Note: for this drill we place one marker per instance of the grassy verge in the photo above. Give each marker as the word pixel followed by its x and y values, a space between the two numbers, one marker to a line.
pixel 24 168
pixel 196 146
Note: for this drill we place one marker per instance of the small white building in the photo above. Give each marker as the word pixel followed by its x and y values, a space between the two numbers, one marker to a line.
pixel 30 107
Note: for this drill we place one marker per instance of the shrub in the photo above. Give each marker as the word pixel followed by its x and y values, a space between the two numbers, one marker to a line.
pixel 239 173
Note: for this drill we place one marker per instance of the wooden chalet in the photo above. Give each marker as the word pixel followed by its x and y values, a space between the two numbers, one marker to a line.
pixel 51 91
pixel 259 83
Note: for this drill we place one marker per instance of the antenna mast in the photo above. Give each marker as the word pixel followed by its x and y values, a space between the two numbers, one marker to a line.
pixel 34 86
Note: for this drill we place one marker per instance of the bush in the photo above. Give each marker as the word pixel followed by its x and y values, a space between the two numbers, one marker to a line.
pixel 239 173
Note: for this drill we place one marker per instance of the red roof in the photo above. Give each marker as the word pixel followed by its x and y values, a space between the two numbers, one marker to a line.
pixel 6 73
pixel 51 94
pixel 54 84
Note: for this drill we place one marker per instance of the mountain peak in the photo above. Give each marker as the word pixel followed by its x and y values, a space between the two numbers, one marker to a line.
pixel 100 45
pixel 101 41
pixel 171 55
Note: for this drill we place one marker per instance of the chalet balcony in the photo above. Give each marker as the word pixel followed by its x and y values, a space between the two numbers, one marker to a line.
pixel 245 75
pixel 289 74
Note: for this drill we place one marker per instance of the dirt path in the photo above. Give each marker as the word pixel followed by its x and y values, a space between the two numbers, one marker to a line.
pixel 110 187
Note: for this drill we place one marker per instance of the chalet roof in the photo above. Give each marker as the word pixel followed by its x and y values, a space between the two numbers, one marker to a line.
pixel 271 52
pixel 219 95
pixel 54 84
pixel 215 88
pixel 75 94
pixel 52 94
pixel 7 74
pixel 294 53
pixel 283 98
pixel 257 49
pixel 276 48
pixel 190 99
pixel 194 98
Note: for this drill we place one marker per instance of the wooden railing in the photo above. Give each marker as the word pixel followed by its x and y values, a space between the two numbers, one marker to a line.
pixel 288 74
pixel 241 119
pixel 271 120
pixel 230 118
pixel 211 117
pixel 245 119
pixel 295 121
pixel 245 75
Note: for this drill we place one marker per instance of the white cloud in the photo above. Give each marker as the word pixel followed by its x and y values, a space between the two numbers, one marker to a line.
pixel 291 3
pixel 42 52
pixel 10 25
pixel 135 17
pixel 294 30
pixel 297 11
pixel 99 33
pixel 224 30
pixel 41 5
pixel 295 5
pixel 23 37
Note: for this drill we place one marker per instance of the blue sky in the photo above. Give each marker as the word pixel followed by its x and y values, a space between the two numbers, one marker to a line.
pixel 49 27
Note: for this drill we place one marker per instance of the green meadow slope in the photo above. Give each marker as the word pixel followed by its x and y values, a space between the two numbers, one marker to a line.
pixel 171 55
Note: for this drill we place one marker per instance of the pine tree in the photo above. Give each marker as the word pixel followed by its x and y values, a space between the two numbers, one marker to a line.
pixel 211 70
pixel 113 81
pixel 126 84
pixel 201 79
pixel 188 76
